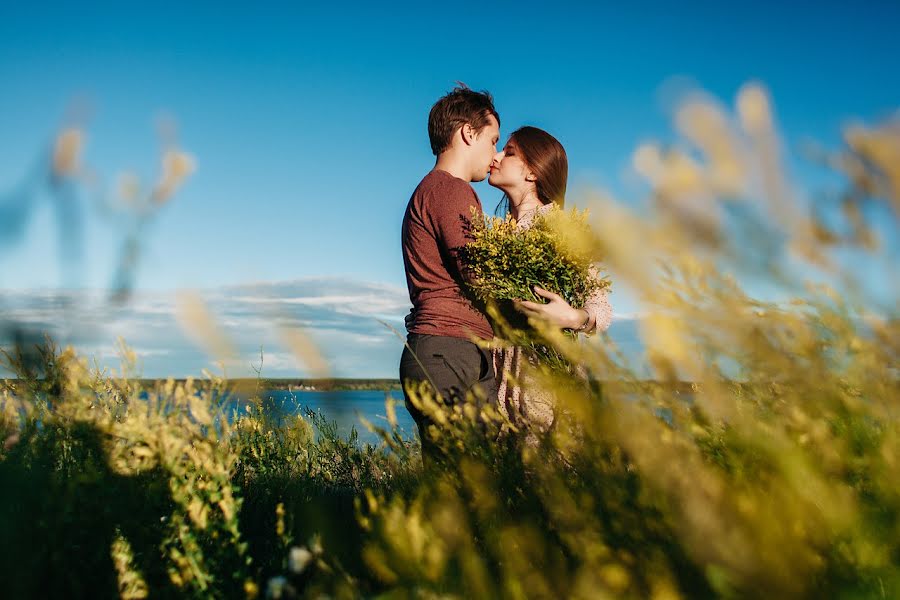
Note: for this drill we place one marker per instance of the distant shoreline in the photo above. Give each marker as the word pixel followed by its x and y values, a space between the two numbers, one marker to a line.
pixel 325 385
pixel 351 384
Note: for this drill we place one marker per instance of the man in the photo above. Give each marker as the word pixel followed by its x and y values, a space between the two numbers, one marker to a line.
pixel 464 129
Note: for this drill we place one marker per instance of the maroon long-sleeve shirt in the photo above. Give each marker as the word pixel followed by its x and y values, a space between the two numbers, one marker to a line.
pixel 433 231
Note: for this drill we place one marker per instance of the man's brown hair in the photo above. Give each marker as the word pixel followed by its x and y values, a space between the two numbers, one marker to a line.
pixel 452 111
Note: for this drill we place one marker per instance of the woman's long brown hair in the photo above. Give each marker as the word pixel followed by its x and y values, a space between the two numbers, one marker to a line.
pixel 546 157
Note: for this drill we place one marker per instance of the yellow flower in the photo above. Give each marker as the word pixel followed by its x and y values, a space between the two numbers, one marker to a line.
pixel 67 152
pixel 176 167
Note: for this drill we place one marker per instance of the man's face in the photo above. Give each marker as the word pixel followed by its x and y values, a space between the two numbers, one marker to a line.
pixel 483 149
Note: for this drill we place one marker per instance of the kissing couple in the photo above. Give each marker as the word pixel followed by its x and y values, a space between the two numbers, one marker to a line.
pixel 531 170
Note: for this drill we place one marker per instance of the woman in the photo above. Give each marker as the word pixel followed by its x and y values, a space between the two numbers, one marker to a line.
pixel 532 170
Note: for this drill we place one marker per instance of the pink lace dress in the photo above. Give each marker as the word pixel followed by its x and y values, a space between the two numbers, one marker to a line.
pixel 536 407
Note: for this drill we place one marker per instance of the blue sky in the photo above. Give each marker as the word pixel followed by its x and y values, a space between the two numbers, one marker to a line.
pixel 308 124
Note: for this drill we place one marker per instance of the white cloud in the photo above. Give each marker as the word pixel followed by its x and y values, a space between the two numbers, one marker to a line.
pixel 629 316
pixel 356 338
pixel 339 314
pixel 342 316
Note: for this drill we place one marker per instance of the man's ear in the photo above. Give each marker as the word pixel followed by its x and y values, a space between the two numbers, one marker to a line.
pixel 468 134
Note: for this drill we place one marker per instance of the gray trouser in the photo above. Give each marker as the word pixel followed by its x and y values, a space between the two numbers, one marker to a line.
pixel 453 366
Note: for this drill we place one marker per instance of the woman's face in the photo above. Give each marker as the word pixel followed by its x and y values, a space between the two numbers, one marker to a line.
pixel 508 170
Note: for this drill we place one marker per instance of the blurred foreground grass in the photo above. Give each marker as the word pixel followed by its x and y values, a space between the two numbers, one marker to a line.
pixel 777 476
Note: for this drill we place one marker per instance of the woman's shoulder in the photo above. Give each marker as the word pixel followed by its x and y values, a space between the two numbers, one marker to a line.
pixel 528 218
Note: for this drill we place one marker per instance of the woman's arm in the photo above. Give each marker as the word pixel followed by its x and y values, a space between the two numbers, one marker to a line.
pixel 599 312
pixel 596 316
pixel 598 307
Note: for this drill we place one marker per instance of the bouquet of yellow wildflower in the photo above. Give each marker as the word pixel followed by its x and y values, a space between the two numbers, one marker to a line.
pixel 506 262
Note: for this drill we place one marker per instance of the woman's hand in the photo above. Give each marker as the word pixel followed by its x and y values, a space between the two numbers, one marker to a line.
pixel 557 311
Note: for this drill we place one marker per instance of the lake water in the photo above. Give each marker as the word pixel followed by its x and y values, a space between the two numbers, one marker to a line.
pixel 344 408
